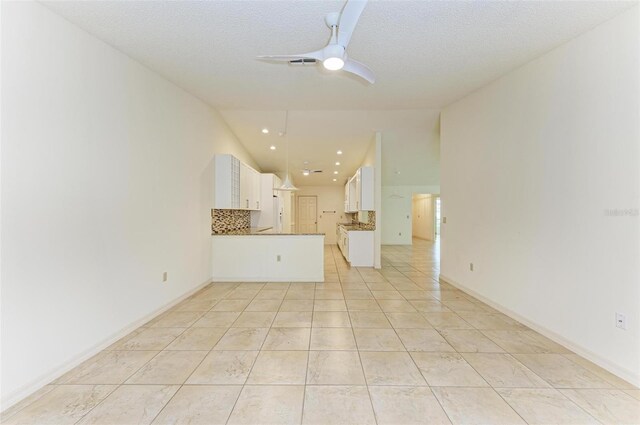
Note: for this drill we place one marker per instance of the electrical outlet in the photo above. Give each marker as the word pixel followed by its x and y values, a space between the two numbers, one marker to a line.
pixel 278 258
pixel 471 266
pixel 621 321
pixel 165 276
pixel 444 220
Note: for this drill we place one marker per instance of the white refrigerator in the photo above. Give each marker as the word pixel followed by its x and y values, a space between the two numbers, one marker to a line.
pixel 272 204
pixel 278 212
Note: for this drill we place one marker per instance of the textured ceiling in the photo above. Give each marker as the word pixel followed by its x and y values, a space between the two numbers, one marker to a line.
pixel 425 54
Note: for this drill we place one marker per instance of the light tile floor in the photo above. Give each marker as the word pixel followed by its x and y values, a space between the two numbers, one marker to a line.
pixel 392 346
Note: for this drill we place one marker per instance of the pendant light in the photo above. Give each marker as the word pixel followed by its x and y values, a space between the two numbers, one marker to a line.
pixel 287 185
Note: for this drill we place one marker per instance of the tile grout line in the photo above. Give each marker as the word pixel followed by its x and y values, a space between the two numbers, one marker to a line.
pixel 420 371
pixel 375 416
pixel 201 361
pixel 306 372
pixel 425 379
pixel 118 386
pixel 257 355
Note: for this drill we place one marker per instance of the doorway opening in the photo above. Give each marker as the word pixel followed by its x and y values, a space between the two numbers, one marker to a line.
pixel 425 220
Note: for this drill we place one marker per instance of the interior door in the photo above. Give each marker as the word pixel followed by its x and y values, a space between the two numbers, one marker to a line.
pixel 307 214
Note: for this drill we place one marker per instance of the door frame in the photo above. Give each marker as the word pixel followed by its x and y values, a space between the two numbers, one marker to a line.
pixel 298 210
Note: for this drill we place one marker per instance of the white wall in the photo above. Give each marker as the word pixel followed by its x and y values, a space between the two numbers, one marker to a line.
pixel 411 145
pixel 530 166
pixel 397 210
pixel 423 217
pixel 330 198
pixel 106 184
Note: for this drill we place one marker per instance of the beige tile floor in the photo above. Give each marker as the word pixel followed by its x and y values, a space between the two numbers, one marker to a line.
pixel 393 346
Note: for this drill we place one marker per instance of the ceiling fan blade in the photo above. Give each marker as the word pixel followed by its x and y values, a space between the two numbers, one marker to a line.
pixel 348 20
pixel 360 69
pixel 311 55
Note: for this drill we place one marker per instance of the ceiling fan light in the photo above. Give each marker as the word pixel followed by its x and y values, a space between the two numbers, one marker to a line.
pixel 305 172
pixel 333 63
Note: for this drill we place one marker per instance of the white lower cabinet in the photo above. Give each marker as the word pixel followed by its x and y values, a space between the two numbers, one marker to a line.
pixel 356 246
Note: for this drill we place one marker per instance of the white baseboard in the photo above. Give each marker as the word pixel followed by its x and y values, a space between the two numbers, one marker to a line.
pixel 620 372
pixel 30 388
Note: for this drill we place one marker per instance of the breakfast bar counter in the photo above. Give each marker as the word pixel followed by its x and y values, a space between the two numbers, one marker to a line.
pixel 260 255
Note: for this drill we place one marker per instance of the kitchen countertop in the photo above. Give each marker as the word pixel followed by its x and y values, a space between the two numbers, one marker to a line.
pixel 354 227
pixel 262 231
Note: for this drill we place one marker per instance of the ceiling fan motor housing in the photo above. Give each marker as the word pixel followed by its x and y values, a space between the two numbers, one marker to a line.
pixel 333 51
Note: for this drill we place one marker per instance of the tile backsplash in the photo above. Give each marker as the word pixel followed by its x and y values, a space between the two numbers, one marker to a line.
pixel 369 225
pixel 226 220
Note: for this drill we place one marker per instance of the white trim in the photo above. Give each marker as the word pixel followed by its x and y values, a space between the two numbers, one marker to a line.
pixel 604 363
pixel 28 389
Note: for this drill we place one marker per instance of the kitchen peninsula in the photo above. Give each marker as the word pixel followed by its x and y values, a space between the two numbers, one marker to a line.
pixel 261 255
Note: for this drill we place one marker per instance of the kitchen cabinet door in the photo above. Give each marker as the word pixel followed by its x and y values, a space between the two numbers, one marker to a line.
pixel 226 182
pixel 366 189
pixel 346 198
pixel 246 186
pixel 256 191
pixel 353 195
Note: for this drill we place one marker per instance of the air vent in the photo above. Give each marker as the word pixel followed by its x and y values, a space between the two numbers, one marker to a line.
pixel 303 61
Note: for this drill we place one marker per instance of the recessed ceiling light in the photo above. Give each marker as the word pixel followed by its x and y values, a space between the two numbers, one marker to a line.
pixel 335 180
pixel 272 147
pixel 337 163
pixel 335 172
pixel 339 152
pixel 265 131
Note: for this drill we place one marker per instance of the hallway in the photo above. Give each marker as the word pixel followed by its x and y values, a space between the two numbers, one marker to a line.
pixel 393 346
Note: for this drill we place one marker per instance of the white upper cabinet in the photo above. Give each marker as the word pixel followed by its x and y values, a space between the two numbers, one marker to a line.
pixel 236 185
pixel 353 195
pixel 359 192
pixel 365 189
pixel 246 186
pixel 226 182
pixel 256 190
pixel 346 198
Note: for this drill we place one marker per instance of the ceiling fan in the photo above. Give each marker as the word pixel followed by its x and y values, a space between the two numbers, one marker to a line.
pixel 334 56
pixel 308 171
